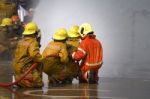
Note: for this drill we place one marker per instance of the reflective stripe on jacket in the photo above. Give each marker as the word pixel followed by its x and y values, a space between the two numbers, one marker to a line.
pixel 90 51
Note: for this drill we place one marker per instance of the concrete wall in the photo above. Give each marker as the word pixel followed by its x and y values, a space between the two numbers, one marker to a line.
pixel 123 27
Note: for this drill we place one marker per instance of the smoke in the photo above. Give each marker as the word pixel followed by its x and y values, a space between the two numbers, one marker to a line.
pixel 112 23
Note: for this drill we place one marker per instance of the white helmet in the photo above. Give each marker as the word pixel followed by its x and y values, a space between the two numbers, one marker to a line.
pixel 85 29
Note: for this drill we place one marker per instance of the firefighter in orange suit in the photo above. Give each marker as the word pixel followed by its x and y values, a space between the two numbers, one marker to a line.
pixel 91 53
pixel 27 53
pixel 56 57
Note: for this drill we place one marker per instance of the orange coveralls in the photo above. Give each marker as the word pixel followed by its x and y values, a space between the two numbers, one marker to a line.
pixel 91 53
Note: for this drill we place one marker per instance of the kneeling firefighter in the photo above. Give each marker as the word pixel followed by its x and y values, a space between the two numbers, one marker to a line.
pixel 27 53
pixel 73 41
pixel 91 53
pixel 56 57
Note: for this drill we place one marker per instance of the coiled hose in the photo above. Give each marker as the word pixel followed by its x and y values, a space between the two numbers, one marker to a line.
pixel 22 77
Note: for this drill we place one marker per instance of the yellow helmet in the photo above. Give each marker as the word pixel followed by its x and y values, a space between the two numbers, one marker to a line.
pixel 6 21
pixel 60 34
pixel 30 28
pixel 84 29
pixel 73 32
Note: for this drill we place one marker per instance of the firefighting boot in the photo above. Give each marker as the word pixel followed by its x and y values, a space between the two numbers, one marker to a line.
pixel 67 80
pixel 91 77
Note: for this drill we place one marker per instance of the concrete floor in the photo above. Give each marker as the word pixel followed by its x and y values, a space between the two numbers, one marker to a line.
pixel 108 88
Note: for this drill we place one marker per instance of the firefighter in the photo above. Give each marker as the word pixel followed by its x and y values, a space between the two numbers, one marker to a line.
pixel 15 19
pixel 72 44
pixel 27 53
pixel 18 26
pixel 73 38
pixel 7 36
pixel 91 53
pixel 56 57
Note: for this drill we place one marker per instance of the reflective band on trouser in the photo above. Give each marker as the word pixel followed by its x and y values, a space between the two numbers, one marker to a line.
pixel 94 64
pixel 80 49
pixel 73 54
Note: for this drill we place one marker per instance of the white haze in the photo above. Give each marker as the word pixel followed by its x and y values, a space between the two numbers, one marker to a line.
pixel 123 27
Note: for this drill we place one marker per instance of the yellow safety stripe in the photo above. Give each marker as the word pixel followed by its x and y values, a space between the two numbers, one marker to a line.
pixel 94 64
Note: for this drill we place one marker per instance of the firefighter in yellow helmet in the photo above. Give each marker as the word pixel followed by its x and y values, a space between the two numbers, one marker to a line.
pixel 72 45
pixel 27 53
pixel 7 36
pixel 6 22
pixel 73 38
pixel 56 57
pixel 3 34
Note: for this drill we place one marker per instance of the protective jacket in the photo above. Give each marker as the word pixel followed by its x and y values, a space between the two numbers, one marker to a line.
pixel 72 44
pixel 90 51
pixel 55 60
pixel 27 53
pixel 56 49
pixel 4 42
pixel 73 66
pixel 6 33
pixel 7 40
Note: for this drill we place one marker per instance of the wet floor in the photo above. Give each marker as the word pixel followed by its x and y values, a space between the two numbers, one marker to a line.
pixel 108 88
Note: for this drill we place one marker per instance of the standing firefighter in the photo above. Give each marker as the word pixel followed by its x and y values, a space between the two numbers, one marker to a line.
pixel 56 57
pixel 91 53
pixel 27 53
pixel 73 43
pixel 7 39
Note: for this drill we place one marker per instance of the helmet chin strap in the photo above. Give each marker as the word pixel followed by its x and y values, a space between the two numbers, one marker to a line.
pixel 82 30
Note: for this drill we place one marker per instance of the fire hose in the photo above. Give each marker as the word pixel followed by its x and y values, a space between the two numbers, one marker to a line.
pixel 21 78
